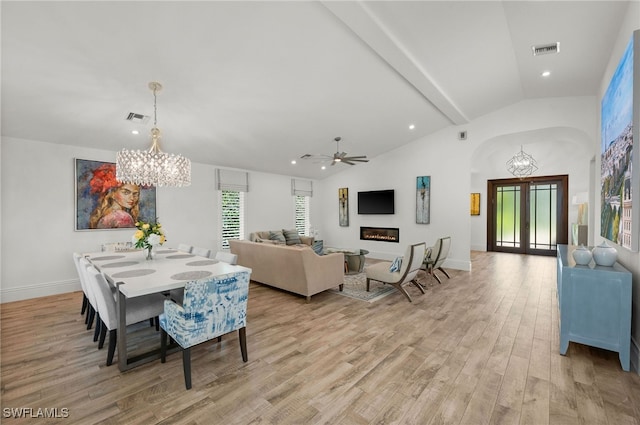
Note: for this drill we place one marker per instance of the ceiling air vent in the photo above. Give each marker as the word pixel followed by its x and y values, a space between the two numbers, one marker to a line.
pixel 546 49
pixel 138 118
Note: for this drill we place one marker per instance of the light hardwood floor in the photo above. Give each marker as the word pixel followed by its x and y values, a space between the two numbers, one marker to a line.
pixel 482 348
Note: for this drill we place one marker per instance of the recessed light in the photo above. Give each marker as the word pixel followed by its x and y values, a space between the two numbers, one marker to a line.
pixel 324 167
pixel 293 162
pixel 411 126
pixel 135 132
pixel 546 73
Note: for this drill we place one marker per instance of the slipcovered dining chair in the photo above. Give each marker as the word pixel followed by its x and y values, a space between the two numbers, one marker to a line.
pixel 138 309
pixel 92 307
pixel 185 248
pixel 435 257
pixel 227 257
pixel 202 252
pixel 399 272
pixel 83 285
pixel 211 308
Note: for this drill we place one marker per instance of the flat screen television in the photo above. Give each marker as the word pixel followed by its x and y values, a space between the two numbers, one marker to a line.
pixel 376 202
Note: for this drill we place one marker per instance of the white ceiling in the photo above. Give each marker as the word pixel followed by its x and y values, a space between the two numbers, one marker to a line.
pixel 254 85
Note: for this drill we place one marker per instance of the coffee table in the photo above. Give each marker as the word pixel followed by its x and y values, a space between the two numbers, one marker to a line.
pixel 353 259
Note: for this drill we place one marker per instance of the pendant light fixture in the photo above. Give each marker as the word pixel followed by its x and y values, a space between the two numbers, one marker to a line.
pixel 522 164
pixel 153 167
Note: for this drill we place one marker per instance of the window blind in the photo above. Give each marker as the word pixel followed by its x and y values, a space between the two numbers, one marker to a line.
pixel 301 187
pixel 232 209
pixel 237 181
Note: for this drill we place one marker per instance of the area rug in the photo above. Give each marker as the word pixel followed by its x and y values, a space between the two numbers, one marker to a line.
pixel 355 286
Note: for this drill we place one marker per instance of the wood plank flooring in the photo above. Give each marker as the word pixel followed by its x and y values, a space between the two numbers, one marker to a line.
pixel 481 348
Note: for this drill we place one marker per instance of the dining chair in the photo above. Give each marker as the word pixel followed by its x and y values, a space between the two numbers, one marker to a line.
pixel 211 308
pixel 185 248
pixel 227 257
pixel 405 273
pixel 81 278
pixel 202 252
pixel 138 309
pixel 435 258
pixel 92 308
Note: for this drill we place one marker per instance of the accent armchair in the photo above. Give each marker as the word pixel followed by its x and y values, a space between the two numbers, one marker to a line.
pixel 435 258
pixel 411 262
pixel 210 309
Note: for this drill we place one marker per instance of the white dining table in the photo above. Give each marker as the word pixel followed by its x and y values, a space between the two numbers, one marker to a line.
pixel 136 276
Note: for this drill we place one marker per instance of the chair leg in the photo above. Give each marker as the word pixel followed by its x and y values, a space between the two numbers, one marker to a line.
pixel 404 291
pixel 92 315
pixel 220 338
pixel 157 320
pixel 96 333
pixel 242 334
pixel 445 272
pixel 113 338
pixel 341 287
pixel 85 301
pixel 418 285
pixel 186 365
pixel 151 322
pixel 368 284
pixel 163 346
pixel 103 335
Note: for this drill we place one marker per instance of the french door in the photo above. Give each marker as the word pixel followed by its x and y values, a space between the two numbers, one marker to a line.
pixel 528 216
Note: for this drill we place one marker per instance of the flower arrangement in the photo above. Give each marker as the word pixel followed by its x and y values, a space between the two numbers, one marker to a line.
pixel 148 235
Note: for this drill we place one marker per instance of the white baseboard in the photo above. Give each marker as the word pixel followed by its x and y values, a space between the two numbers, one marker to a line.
pixel 39 290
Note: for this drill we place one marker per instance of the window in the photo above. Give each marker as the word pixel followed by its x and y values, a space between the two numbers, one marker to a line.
pixel 232 203
pixel 302 214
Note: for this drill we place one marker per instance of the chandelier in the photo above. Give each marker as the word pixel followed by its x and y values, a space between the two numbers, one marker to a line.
pixel 153 167
pixel 522 164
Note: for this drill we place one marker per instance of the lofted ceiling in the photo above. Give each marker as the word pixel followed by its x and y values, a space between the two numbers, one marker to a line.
pixel 254 85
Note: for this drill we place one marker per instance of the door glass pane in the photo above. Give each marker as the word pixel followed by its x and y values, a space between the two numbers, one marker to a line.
pixel 542 216
pixel 508 216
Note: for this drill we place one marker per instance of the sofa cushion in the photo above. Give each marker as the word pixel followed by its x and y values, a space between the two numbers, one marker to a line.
pixel 291 237
pixel 318 247
pixel 276 235
pixel 269 241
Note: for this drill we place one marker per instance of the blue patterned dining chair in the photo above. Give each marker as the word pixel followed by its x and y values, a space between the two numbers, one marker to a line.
pixel 211 308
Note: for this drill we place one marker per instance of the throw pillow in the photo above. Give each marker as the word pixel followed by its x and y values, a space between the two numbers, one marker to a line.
pixel 318 247
pixel 291 237
pixel 277 236
pixel 396 265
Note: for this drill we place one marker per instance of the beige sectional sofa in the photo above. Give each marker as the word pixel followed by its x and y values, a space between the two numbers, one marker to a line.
pixel 294 268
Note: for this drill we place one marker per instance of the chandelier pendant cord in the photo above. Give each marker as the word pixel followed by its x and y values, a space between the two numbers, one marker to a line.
pixel 155 131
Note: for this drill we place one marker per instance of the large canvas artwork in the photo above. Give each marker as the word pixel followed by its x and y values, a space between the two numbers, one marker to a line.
pixel 423 199
pixel 619 217
pixel 104 203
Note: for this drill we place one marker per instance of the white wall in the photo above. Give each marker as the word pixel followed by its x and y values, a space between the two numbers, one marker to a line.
pixel 37 211
pixel 557 132
pixel 629 259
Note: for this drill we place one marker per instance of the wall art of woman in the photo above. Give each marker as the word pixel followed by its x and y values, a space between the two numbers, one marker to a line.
pixel 105 203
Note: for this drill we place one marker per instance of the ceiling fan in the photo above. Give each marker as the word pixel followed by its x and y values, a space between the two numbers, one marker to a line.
pixel 338 156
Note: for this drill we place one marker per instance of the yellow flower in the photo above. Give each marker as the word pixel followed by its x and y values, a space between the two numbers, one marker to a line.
pixel 139 234
pixel 145 226
pixel 162 239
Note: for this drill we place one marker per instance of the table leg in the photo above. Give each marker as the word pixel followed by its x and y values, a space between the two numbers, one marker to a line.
pixel 122 332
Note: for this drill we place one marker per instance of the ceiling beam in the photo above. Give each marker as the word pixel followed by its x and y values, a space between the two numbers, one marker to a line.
pixel 364 24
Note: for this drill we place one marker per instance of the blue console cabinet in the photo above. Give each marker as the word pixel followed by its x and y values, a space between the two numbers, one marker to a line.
pixel 595 305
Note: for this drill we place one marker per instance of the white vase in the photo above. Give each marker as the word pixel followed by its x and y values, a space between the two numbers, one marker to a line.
pixel 605 255
pixel 582 255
